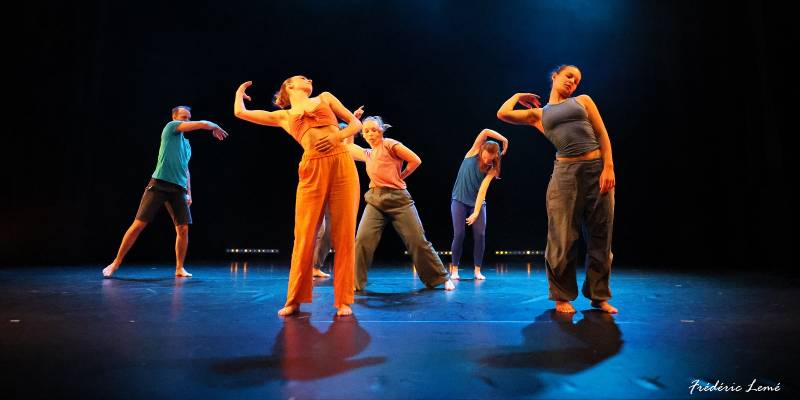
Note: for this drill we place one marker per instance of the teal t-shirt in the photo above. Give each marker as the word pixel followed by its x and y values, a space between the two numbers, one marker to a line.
pixel 173 156
pixel 468 181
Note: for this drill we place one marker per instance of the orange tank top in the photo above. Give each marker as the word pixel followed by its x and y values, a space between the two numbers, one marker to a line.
pixel 321 115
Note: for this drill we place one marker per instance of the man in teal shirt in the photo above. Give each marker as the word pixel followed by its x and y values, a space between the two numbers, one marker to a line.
pixel 170 185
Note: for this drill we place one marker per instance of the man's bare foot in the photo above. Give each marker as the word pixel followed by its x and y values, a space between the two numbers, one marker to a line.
pixel 478 275
pixel 343 310
pixel 319 274
pixel 564 307
pixel 449 285
pixel 109 270
pixel 603 305
pixel 182 273
pixel 454 273
pixel 289 310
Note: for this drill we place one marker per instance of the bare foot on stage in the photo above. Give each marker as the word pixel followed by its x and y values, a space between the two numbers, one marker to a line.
pixel 603 305
pixel 109 270
pixel 289 310
pixel 182 273
pixel 564 307
pixel 478 275
pixel 454 273
pixel 449 285
pixel 319 274
pixel 344 310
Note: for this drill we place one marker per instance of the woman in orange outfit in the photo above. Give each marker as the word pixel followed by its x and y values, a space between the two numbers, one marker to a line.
pixel 327 174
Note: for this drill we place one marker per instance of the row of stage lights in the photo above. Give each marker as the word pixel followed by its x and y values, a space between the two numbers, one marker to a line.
pixel 519 253
pixel 499 253
pixel 253 251
pixel 441 253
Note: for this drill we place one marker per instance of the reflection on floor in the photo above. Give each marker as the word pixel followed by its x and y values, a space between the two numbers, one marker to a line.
pixel 145 334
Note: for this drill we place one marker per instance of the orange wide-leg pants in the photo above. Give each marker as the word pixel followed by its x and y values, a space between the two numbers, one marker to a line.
pixel 325 178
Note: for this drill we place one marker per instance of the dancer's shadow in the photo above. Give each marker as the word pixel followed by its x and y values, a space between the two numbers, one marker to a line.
pixel 301 352
pixel 553 343
pixel 395 301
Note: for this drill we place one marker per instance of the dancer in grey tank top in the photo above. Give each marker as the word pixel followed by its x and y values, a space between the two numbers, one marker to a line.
pixel 580 196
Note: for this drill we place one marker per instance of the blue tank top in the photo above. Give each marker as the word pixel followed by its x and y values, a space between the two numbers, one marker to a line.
pixel 468 181
pixel 567 126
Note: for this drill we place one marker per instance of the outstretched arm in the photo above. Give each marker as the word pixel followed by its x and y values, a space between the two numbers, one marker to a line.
pixel 261 117
pixel 607 177
pixel 215 129
pixel 481 196
pixel 356 151
pixel 412 159
pixel 531 116
pixel 481 139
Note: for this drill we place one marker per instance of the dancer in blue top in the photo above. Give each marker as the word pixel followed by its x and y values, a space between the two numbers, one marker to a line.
pixel 480 166
pixel 169 186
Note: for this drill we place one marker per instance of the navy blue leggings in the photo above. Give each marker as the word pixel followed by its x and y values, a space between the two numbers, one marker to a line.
pixel 460 212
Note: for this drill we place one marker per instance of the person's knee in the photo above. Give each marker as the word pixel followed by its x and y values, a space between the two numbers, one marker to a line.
pixel 182 230
pixel 416 242
pixel 362 237
pixel 362 245
pixel 138 225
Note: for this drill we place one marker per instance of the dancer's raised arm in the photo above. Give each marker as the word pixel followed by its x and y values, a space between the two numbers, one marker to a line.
pixel 261 117
pixel 531 116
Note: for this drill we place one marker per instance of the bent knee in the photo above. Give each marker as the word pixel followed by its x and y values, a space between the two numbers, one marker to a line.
pixel 182 230
pixel 138 224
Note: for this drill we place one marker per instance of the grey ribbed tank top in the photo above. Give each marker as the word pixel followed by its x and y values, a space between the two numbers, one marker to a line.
pixel 567 126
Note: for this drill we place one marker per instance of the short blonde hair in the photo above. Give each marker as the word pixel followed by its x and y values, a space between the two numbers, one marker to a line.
pixel 378 120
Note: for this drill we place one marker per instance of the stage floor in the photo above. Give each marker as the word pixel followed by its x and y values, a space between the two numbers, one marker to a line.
pixel 145 334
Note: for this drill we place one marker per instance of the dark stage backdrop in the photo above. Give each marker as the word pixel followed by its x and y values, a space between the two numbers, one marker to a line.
pixel 690 94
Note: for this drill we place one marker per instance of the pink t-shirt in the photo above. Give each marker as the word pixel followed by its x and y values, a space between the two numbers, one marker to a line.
pixel 384 166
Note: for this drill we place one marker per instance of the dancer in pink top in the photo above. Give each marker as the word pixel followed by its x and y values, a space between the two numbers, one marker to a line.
pixel 389 201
